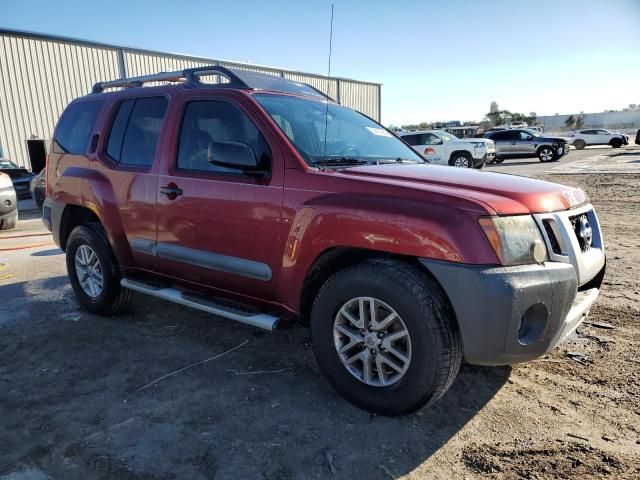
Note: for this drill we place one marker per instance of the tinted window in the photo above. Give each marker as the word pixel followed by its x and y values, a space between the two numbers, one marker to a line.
pixel 506 135
pixel 134 136
pixel 525 135
pixel 412 140
pixel 206 122
pixel 74 128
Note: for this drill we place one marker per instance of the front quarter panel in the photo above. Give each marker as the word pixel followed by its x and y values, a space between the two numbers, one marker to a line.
pixel 317 222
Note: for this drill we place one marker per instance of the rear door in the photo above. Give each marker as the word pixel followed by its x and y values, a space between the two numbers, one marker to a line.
pixel 429 145
pixel 127 158
pixel 220 227
pixel 503 141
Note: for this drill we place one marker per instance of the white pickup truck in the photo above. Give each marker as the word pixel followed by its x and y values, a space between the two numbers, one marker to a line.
pixel 441 147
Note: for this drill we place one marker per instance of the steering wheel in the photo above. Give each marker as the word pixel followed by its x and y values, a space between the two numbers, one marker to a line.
pixel 350 151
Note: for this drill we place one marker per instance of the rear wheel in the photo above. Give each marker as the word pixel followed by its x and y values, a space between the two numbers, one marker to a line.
pixel 615 143
pixel 579 144
pixel 384 336
pixel 546 154
pixel 461 159
pixel 94 273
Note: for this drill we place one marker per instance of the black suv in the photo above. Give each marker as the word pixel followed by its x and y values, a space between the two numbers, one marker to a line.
pixel 525 143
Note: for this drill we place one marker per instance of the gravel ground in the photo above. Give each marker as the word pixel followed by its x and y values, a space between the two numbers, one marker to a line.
pixel 73 406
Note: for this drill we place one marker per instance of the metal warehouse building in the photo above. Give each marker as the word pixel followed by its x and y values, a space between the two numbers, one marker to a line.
pixel 40 74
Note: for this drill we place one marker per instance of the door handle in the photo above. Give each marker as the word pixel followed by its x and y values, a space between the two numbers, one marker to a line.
pixel 172 191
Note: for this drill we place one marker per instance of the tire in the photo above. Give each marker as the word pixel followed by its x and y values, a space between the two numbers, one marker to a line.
pixel 38 197
pixel 111 298
pixel 498 160
pixel 579 144
pixel 546 154
pixel 8 223
pixel 435 348
pixel 480 167
pixel 461 159
pixel 615 143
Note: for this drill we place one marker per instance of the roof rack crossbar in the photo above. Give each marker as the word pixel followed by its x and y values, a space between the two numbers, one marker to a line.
pixel 189 75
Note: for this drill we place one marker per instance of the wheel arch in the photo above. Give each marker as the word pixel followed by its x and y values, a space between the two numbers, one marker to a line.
pixel 72 217
pixel 456 152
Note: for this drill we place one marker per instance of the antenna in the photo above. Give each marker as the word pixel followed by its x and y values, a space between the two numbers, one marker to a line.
pixel 326 115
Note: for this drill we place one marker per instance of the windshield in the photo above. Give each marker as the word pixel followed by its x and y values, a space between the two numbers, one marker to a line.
pixel 350 136
pixel 446 136
pixel 5 163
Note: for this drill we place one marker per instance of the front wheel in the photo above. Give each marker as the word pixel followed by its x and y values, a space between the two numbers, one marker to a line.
pixel 385 337
pixel 94 273
pixel 461 159
pixel 546 154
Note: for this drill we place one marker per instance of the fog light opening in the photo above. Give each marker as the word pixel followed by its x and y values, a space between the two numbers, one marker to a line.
pixel 532 324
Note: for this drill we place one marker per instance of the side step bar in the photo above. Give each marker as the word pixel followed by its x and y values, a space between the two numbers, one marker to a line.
pixel 260 320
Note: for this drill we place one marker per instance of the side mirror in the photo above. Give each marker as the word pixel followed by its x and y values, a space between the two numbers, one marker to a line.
pixel 234 155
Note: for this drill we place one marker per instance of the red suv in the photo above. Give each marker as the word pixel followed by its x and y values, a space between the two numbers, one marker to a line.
pixel 261 200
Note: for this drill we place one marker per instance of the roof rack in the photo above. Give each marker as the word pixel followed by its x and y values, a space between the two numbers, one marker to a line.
pixel 236 78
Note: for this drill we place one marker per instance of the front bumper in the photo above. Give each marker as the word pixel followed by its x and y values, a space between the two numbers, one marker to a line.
pixel 486 158
pixel 513 314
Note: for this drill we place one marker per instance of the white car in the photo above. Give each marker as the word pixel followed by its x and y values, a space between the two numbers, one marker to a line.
pixel 597 136
pixel 438 146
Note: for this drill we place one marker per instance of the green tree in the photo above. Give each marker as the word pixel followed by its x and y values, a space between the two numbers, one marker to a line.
pixel 570 122
pixel 580 121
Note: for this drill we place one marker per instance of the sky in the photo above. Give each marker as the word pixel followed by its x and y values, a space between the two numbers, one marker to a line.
pixel 437 60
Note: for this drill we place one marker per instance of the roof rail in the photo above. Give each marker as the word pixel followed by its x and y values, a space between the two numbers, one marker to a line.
pixel 236 78
pixel 189 75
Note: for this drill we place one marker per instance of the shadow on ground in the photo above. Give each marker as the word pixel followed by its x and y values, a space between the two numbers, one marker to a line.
pixel 72 406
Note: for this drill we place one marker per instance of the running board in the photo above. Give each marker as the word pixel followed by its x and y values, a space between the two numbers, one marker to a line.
pixel 260 320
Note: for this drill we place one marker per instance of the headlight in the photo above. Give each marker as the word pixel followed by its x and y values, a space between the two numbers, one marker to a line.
pixel 477 144
pixel 516 240
pixel 5 181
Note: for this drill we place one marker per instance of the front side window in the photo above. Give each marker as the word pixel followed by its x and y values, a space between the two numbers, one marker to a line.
pixel 525 136
pixel 74 128
pixel 207 122
pixel 136 128
pixel 321 131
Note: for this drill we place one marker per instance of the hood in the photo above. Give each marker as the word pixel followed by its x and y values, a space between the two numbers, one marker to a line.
pixel 504 194
pixel 18 173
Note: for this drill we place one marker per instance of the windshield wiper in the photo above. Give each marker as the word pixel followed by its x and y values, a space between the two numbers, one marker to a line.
pixel 339 161
pixel 395 160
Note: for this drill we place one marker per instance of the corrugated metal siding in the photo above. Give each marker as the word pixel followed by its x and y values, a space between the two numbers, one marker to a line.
pixel 41 74
pixel 364 97
pixel 38 78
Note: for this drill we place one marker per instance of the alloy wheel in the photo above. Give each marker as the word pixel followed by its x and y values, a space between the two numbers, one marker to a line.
pixel 546 155
pixel 372 341
pixel 461 162
pixel 89 271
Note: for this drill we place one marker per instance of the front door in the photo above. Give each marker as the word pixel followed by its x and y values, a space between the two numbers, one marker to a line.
pixel 523 144
pixel 219 227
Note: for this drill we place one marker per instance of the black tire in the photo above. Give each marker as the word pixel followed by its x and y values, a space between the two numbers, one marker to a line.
pixel 548 152
pixel 615 142
pixel 579 144
pixel 8 223
pixel 461 159
pixel 436 347
pixel 113 299
pixel 498 160
pixel 38 197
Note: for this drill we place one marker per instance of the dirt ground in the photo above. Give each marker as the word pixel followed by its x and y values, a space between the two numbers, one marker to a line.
pixel 73 406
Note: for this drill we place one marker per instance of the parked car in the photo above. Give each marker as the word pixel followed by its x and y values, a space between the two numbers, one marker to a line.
pixel 597 136
pixel 227 198
pixel 8 203
pixel 638 137
pixel 441 147
pixel 525 143
pixel 37 188
pixel 19 176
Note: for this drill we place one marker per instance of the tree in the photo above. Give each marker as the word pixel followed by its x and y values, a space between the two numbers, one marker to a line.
pixel 580 121
pixel 570 122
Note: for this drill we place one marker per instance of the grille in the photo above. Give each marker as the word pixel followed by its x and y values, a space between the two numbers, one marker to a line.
pixel 582 230
pixel 553 241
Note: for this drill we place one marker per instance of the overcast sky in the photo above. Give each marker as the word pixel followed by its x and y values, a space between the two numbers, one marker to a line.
pixel 442 60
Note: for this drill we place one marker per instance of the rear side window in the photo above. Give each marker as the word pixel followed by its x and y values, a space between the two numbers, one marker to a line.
pixel 134 135
pixel 412 140
pixel 74 128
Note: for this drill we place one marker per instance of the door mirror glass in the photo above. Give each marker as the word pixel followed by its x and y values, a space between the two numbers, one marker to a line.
pixel 232 155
